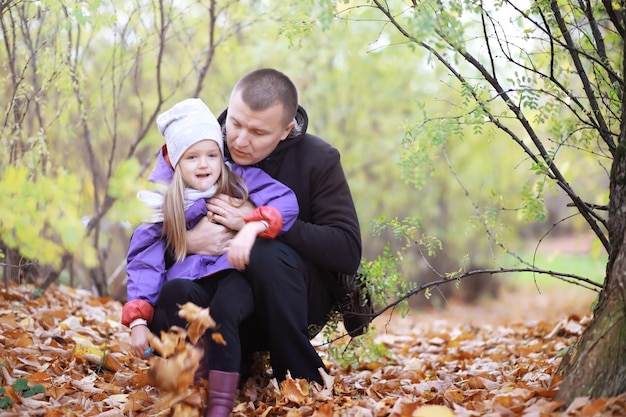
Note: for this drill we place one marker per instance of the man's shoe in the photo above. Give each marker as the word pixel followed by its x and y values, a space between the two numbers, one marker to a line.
pixel 355 304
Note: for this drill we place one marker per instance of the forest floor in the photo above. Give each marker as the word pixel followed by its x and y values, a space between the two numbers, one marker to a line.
pixel 494 358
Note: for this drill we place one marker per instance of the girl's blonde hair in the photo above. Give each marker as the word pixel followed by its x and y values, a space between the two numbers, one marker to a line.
pixel 174 224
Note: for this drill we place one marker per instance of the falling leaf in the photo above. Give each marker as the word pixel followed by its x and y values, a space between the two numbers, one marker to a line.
pixel 218 338
pixel 169 343
pixel 175 373
pixel 199 320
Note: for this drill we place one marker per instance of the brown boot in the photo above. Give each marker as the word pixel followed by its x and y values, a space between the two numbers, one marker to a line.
pixel 222 390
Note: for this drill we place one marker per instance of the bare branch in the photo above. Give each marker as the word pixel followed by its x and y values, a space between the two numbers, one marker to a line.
pixel 582 74
pixel 586 212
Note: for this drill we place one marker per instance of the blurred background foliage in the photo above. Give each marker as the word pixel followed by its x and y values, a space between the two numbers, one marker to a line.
pixel 84 80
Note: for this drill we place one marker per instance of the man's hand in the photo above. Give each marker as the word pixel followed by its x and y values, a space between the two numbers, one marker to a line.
pixel 222 211
pixel 208 238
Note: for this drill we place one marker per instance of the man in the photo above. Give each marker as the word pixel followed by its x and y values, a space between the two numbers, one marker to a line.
pixel 295 277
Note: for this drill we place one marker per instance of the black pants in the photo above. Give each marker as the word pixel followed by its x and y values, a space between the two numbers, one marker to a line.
pixel 229 297
pixel 289 296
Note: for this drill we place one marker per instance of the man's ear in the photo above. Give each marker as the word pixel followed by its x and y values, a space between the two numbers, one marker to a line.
pixel 287 130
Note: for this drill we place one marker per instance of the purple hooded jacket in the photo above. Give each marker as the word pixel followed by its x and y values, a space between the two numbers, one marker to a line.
pixel 146 253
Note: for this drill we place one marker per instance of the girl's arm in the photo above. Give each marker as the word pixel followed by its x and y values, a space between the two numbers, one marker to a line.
pixel 146 272
pixel 241 245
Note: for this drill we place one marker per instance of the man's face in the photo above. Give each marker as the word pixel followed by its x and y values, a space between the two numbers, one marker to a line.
pixel 252 135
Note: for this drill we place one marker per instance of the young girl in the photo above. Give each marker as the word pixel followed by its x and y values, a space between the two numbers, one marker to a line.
pixel 194 149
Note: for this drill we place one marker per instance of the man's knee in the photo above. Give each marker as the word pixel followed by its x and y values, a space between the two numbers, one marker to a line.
pixel 271 257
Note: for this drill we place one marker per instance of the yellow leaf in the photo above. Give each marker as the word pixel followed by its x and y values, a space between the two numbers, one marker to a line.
pixel 433 411
pixel 82 350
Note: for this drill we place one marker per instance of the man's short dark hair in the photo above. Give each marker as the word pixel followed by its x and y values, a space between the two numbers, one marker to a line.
pixel 263 88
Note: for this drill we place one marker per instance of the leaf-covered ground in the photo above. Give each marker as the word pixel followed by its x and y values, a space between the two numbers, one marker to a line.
pixel 495 359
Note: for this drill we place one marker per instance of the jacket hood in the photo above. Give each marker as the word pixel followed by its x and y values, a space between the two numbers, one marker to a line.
pixel 162 172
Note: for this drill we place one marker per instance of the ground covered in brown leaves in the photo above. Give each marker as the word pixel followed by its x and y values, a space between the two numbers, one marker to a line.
pixel 65 354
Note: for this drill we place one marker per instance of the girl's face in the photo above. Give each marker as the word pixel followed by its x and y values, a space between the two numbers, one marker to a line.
pixel 201 165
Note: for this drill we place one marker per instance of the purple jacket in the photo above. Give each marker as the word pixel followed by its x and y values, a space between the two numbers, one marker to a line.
pixel 146 253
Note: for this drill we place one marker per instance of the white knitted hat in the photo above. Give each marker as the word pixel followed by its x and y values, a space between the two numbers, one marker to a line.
pixel 185 124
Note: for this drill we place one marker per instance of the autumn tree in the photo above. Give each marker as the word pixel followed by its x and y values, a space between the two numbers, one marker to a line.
pixel 84 83
pixel 73 173
pixel 548 76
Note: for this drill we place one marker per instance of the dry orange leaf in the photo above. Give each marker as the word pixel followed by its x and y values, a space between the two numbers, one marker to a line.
pixel 39 377
pixel 57 392
pixel 169 343
pixel 295 390
pixel 479 367
pixel 9 392
pixel 138 380
pixel 595 408
pixel 140 395
pixel 218 338
pixel 325 410
pixel 199 320
pixel 175 373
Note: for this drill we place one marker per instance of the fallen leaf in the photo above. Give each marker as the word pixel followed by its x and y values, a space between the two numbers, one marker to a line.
pixel 433 411
pixel 472 355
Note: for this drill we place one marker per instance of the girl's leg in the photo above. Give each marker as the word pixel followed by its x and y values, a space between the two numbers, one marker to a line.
pixel 174 293
pixel 231 304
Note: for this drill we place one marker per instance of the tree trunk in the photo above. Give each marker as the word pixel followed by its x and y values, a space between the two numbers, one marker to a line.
pixel 596 366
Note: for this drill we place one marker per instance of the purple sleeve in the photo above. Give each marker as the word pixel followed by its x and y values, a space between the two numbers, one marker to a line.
pixel 266 191
pixel 146 263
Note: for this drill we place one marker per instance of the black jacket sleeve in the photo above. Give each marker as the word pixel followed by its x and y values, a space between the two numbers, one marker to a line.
pixel 327 231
